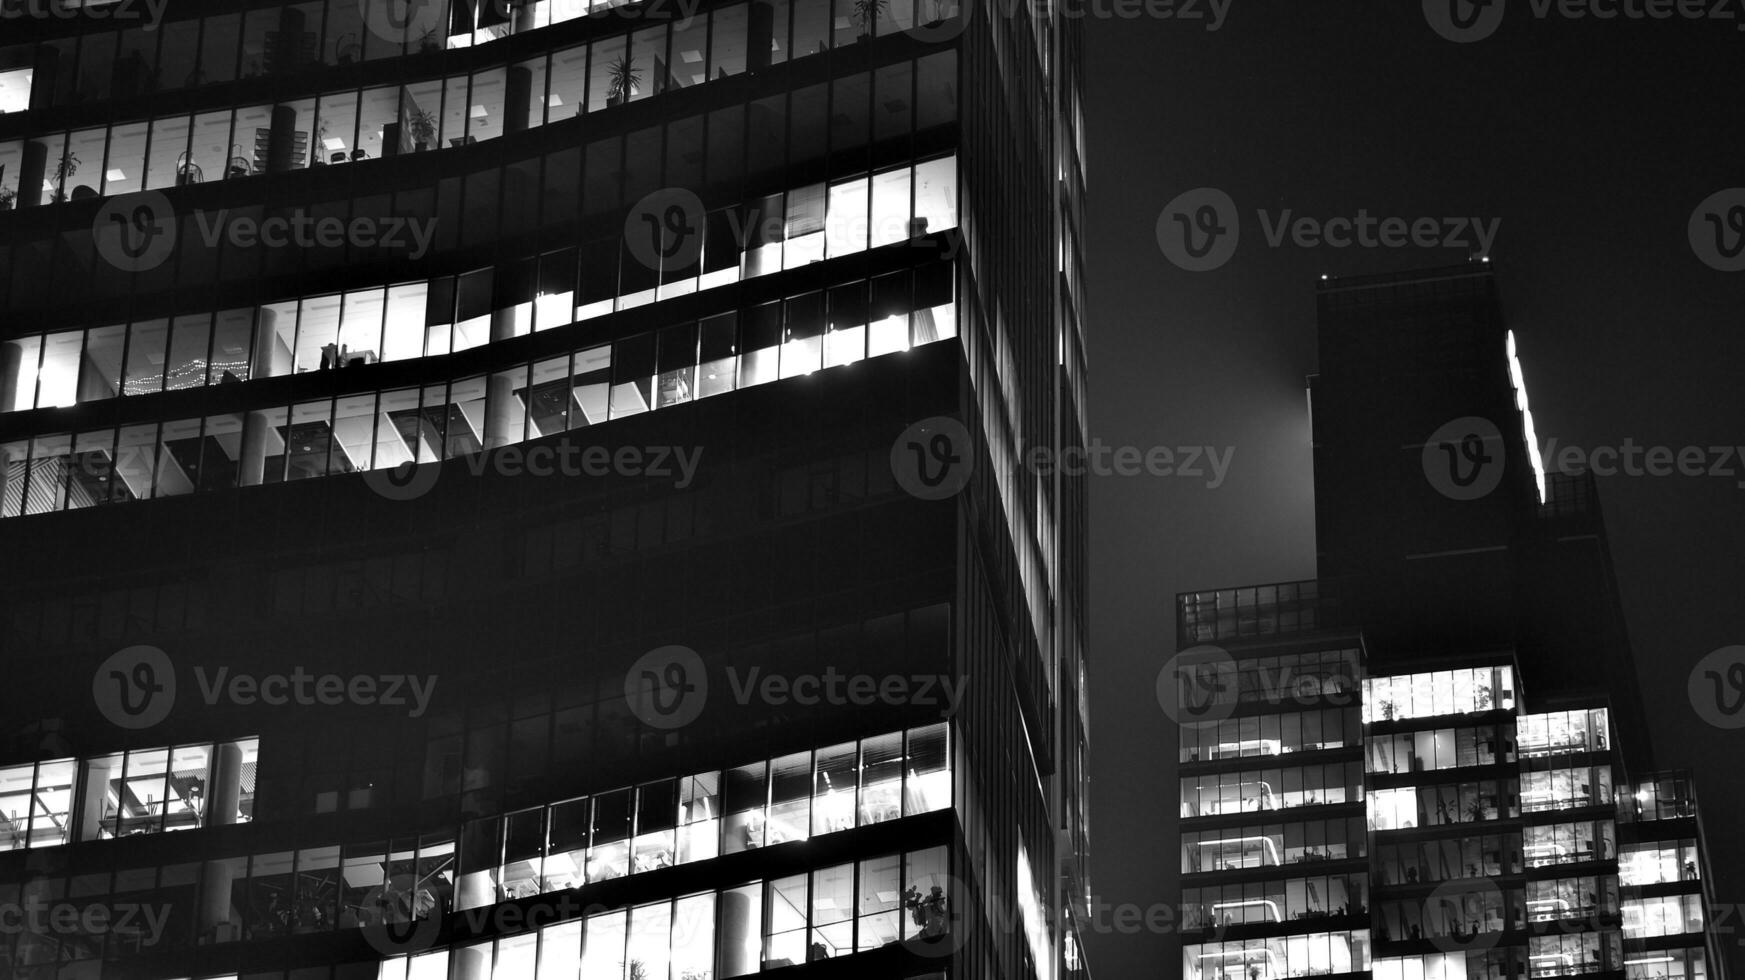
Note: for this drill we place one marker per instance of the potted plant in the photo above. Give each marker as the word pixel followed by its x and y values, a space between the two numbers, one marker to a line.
pixel 423 125
pixel 8 197
pixel 1481 696
pixel 427 42
pixel 64 171
pixel 623 81
pixel 866 13
pixel 1475 810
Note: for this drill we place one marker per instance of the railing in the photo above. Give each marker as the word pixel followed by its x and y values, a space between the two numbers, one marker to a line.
pixel 1217 615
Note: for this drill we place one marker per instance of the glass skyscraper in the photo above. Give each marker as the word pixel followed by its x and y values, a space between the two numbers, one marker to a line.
pixel 533 489
pixel 1430 763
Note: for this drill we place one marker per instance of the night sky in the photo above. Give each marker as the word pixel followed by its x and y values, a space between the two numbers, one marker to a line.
pixel 1592 142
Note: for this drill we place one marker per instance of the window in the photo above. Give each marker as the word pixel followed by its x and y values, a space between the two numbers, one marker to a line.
pixel 35 804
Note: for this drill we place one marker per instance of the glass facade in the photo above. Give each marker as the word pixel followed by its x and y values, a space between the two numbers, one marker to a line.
pixel 866 256
pixel 125 794
pixel 1485 832
pixel 1292 869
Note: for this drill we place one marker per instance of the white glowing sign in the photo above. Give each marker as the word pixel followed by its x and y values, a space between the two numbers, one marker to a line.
pixel 1532 437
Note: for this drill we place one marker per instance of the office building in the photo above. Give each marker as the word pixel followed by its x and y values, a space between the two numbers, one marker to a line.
pixel 1443 824
pixel 1410 767
pixel 448 453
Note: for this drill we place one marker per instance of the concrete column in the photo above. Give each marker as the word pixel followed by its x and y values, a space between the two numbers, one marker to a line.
pixel 224 789
pixel 93 791
pixel 760 36
pixel 11 359
pixel 286 56
pixel 502 324
pixel 471 962
pixel 269 359
pixel 517 94
pixel 503 415
pixel 282 140
pixel 256 432
pixel 32 171
pixel 524 21
pixel 44 71
pixel 738 946
pixel 217 878
pixel 475 890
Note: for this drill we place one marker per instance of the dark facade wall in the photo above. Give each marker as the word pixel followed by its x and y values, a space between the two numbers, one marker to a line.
pixel 503 585
pixel 1428 575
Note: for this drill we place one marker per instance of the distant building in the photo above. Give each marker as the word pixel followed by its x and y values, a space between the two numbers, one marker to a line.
pixel 1432 762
